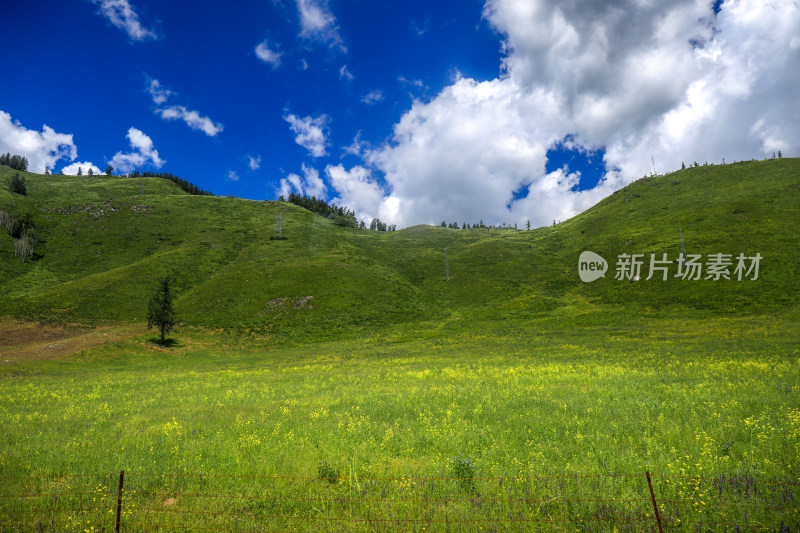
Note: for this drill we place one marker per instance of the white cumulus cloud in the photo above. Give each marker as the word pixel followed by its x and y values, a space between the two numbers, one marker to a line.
pixel 233 176
pixel 192 118
pixel 310 133
pixel 72 169
pixel 40 148
pixel 267 55
pixel 122 15
pixel 143 153
pixel 310 184
pixel 358 191
pixel 671 80
pixel 254 162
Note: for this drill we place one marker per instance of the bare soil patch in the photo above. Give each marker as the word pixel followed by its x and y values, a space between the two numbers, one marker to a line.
pixel 24 341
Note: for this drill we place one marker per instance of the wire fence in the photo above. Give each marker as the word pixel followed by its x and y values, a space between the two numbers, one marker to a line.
pixel 145 502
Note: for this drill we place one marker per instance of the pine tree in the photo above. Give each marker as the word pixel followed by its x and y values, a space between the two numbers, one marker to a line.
pixel 91 172
pixel 528 224
pixel 160 312
pixel 18 184
pixel 17 162
pixel 109 170
pixel 80 171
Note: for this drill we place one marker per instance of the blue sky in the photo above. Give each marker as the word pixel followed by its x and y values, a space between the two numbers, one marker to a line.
pixel 505 110
pixel 90 78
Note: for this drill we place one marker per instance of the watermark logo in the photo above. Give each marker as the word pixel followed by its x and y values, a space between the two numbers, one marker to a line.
pixel 690 267
pixel 591 267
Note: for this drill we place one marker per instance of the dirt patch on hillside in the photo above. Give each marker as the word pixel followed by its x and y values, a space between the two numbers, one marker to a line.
pixel 24 341
pixel 296 303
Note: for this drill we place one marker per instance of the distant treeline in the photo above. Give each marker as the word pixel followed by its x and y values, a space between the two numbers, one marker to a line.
pixel 340 215
pixel 17 162
pixel 187 186
pixel 481 225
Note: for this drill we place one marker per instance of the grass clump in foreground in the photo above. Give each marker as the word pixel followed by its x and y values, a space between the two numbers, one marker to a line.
pixel 558 426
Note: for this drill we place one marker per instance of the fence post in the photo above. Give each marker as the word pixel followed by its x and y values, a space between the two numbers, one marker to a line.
pixel 119 499
pixel 652 497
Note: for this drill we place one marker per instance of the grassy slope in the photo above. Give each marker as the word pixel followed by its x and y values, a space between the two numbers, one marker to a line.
pixel 99 258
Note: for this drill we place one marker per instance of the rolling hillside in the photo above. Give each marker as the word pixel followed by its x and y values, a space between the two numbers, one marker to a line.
pixel 104 243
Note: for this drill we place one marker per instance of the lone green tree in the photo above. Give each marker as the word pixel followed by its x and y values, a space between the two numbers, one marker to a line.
pixel 160 312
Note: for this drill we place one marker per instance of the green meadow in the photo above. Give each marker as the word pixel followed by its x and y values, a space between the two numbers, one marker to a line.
pixel 335 381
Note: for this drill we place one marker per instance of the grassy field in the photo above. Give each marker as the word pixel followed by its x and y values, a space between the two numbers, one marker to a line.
pixel 511 397
pixel 709 407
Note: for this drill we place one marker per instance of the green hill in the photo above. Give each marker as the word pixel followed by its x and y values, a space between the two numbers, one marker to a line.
pixel 103 244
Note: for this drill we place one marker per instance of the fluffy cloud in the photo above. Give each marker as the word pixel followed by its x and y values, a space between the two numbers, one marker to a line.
pixel 143 153
pixel 192 118
pixel 310 184
pixel 310 133
pixel 72 169
pixel 41 148
pixel 357 190
pixel 233 176
pixel 267 55
pixel 671 80
pixel 254 162
pixel 461 156
pixel 122 15
pixel 317 22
